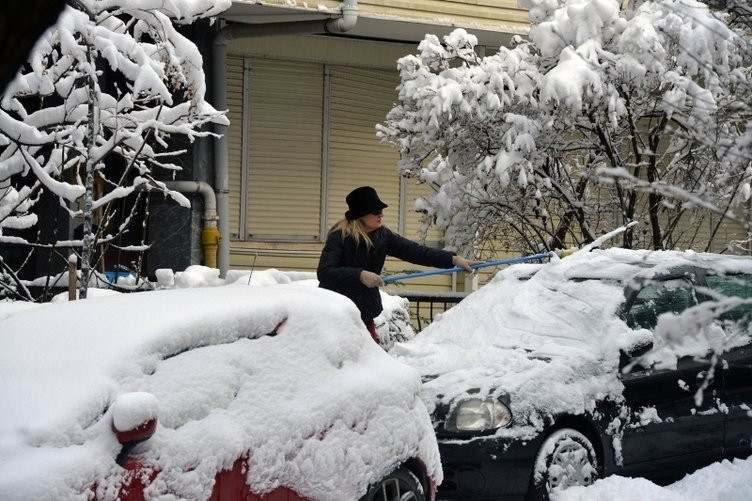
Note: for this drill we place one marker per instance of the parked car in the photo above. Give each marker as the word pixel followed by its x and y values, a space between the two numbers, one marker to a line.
pixel 605 362
pixel 222 393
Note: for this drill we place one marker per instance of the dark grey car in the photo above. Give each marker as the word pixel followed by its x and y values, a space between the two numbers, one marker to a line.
pixel 579 376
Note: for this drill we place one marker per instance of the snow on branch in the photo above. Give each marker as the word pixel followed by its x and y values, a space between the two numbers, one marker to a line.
pixel 602 117
pixel 105 93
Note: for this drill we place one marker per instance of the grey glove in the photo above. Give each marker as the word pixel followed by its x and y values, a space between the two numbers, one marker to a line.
pixel 370 279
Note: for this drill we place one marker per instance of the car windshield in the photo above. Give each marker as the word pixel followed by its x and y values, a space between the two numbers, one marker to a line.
pixel 733 286
pixel 675 296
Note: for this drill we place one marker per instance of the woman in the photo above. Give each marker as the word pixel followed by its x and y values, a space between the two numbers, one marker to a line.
pixel 356 249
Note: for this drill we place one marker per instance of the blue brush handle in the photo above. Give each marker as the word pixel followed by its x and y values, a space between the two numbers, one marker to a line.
pixel 522 259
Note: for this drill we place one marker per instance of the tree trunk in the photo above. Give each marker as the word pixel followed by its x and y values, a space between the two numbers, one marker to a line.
pixel 572 213
pixel 654 199
pixel 88 236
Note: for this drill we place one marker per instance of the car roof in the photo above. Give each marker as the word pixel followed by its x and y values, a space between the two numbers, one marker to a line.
pixel 625 264
pixel 80 339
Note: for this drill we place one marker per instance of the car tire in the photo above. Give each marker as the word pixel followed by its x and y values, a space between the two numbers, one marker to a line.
pixel 399 485
pixel 565 459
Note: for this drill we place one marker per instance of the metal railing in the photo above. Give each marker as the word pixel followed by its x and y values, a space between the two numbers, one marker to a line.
pixel 425 306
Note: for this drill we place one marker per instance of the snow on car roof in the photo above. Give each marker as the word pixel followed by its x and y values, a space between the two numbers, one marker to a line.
pixel 321 408
pixel 545 334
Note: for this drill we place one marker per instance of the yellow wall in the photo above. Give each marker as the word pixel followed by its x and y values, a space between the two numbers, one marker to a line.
pixel 492 15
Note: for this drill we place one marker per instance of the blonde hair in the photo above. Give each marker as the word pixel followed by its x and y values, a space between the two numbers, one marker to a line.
pixel 352 228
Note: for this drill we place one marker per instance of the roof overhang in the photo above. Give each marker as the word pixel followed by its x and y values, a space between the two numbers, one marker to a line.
pixel 376 26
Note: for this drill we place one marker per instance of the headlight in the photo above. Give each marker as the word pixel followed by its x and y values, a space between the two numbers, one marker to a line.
pixel 475 414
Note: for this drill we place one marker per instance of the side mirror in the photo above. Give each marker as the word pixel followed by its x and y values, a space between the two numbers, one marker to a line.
pixel 638 349
pixel 134 420
pixel 627 355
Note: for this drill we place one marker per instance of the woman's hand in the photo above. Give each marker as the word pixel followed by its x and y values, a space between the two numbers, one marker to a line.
pixel 461 262
pixel 370 279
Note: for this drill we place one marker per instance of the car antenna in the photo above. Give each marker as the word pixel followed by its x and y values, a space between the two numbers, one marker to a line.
pixel 253 265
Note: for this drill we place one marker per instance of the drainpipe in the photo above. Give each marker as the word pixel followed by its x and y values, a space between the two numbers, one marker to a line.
pixel 209 235
pixel 221 184
pixel 345 22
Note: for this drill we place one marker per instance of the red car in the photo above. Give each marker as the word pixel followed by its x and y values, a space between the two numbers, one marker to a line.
pixel 232 392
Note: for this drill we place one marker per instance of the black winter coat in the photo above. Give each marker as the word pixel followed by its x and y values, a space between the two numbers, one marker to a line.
pixel 342 261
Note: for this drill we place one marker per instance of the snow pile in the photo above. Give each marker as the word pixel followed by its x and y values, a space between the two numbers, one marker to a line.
pixel 8 307
pixel 392 325
pixel 718 482
pixel 545 334
pixel 319 407
pixel 91 292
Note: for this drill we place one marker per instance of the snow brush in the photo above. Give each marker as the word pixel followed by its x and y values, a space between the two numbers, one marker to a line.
pixel 487 264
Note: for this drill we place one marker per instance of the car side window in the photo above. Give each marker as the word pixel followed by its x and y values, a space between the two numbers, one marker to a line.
pixel 675 295
pixel 733 285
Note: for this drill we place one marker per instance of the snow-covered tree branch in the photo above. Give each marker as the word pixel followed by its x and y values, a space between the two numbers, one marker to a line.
pixel 101 98
pixel 602 117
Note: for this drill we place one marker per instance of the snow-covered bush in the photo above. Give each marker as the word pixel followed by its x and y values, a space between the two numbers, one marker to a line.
pixel 602 117
pixel 393 324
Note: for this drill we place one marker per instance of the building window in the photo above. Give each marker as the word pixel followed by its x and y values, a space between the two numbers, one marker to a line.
pixel 301 137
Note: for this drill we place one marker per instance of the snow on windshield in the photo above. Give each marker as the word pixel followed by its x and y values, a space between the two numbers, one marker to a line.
pixel 545 334
pixel 320 407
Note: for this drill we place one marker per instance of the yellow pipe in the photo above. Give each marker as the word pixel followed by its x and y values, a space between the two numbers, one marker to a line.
pixel 210 238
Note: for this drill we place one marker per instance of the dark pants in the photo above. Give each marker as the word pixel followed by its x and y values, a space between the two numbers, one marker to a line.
pixel 372 329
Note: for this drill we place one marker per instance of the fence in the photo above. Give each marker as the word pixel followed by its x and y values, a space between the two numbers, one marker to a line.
pixel 425 306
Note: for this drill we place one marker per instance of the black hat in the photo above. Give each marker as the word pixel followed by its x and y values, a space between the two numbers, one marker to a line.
pixel 362 201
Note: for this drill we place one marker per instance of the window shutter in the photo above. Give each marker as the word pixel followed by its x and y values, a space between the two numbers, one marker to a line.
pixel 361 98
pixel 284 162
pixel 234 139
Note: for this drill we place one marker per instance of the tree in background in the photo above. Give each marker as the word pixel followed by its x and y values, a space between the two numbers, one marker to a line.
pixel 603 117
pixel 102 97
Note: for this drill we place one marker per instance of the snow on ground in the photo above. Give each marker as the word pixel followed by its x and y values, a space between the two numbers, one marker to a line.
pixel 723 481
pixel 321 408
pixel 8 307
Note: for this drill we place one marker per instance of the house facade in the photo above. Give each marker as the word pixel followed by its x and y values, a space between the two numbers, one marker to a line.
pixel 303 106
pixel 304 85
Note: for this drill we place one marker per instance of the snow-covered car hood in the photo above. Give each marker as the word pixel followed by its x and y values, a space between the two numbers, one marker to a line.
pixel 547 335
pixel 318 407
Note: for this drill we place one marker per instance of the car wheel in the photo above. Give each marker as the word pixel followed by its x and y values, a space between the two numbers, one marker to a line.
pixel 399 485
pixel 565 459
